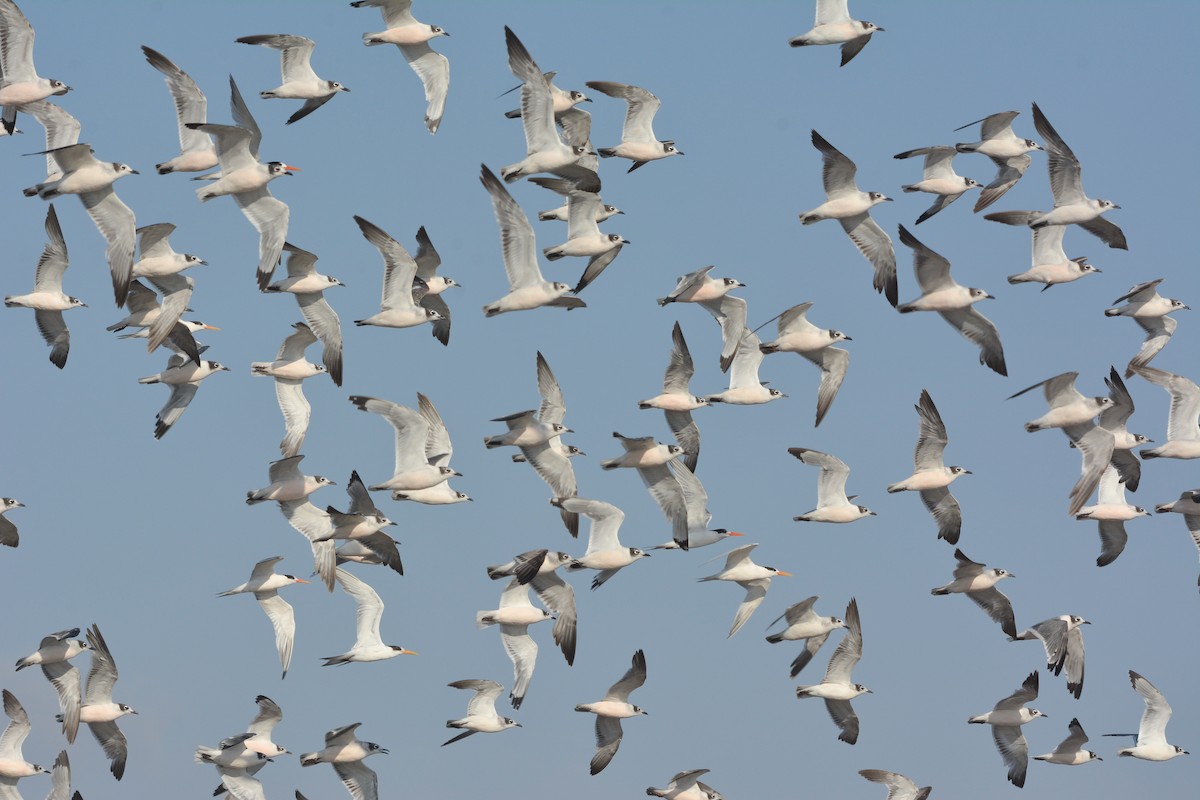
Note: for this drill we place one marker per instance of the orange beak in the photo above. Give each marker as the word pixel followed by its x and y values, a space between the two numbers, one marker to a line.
pixel 781 572
pixel 734 533
pixel 291 168
pixel 301 580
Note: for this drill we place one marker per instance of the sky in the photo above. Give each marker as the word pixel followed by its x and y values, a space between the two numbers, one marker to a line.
pixel 139 535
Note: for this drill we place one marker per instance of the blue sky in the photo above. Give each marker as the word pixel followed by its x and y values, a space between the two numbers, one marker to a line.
pixel 138 535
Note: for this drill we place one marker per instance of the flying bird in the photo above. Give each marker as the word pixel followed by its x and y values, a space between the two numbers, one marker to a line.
pixel 605 554
pixel 613 708
pixel 402 291
pixel 583 235
pixel 47 298
pixel 851 208
pixel 938 178
pixel 836 688
pixel 1050 263
pixel 805 625
pixel 899 787
pixel 638 142
pixel 8 531
pixel 184 377
pixel 931 477
pixel 14 764
pixel 539 569
pixel 368 645
pixel 413 39
pixel 481 710
pixel 299 80
pixel 1183 431
pixel 979 584
pixel 99 712
pixel 1152 732
pixel 1009 152
pixel 834 25
pixel 422 446
pixel 755 579
pixel 265 584
pixel 797 335
pixel 289 369
pixel 1067 405
pixel 196 150
pixel 1063 640
pixel 677 400
pixel 287 483
pixel 1149 310
pixel 832 503
pixel 346 753
pixel 1112 512
pixel 745 389
pixel 1188 505
pixel 1070 750
pixel 428 261
pixel 21 83
pixel 1006 719
pixel 514 616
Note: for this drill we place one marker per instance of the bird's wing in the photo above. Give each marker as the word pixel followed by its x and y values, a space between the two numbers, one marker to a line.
pixel 695 497
pixel 483 701
pixel 842 714
pixel 1185 403
pixel 1065 171
pixel 1096 448
pixel 811 646
pixel 296 413
pixel 997 606
pixel 639 115
pixel 981 331
pixel 339 737
pixel 115 747
pixel 438 448
pixel 554 407
pixel 1010 741
pixel 932 270
pixel 1139 293
pixel 61 129
pixel 117 224
pixel 522 651
pixel 399 267
pixel 359 779
pixel 1073 663
pixel 324 322
pixel 876 246
pixel 899 786
pixel 1113 539
pixel 946 511
pixel 537 103
pixel 269 216
pixel 831 484
pixel 931 441
pixel 833 362
pixel 837 171
pixel 283 620
pixel 65 679
pixel 756 592
pixel 102 675
pixel 53 262
pixel 605 519
pixel 680 368
pixel 596 265
pixel 427 257
pixel 849 649
pixel 687 435
pixel 1108 232
pixel 1158 332
pixel 370 607
pixel 517 240
pixel 190 103
pixel 1008 172
pixel 180 398
pixel 268 716
pixel 552 466
pixel 832 11
pixel 665 490
pixel 608 740
pixel 730 314
pixel 18 729
pixel 634 677
pixel 746 361
pixel 1027 692
pixel 177 293
pixel 315 525
pixel 559 597
pixel 1153 728
pixel 1076 739
pixel 54 330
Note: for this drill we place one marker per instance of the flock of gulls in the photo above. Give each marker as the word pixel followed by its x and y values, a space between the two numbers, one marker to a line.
pixel 353 550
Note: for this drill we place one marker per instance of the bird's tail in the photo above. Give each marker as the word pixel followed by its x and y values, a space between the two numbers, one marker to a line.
pixel 484 619
pixel 607 152
pixel 775 638
pixel 941 590
pixel 308 759
pixel 260 368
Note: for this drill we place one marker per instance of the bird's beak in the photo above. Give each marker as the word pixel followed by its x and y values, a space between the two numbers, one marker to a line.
pixel 519 725
pixel 385 751
pixel 1011 575
pixel 785 574
pixel 289 168
pixel 131 711
pixel 734 533
pixel 968 472
pixel 848 339
pixel 135 172
pixel 84 305
pixel 880 30
pixel 1087 622
pixel 456 474
pixel 989 297
pixel 889 199
pixel 345 88
pixel 568 430
pixel 1116 206
pixel 408 653
pixel 587 99
pixel 872 514
pixel 626 241
pixel 339 283
pixel 301 580
pixel 205 263
pixel 211 328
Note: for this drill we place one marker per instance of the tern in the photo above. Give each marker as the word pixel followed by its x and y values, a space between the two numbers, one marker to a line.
pixel 539 569
pixel 899 786
pixel 299 80
pixel 1188 505
pixel 1070 750
pixel 604 551
pixel 938 178
pixel 832 503
pixel 931 477
pixel 954 302
pixel 159 322
pixel 265 584
pixel 287 483
pixel 755 579
pixel 638 142
pixel 1050 263
pixel 47 298
pixel 1149 310
pixel 368 646
pixel 413 38
pixel 545 149
pixel 1183 432
pixel 797 335
pixel 196 150
pixel 346 754
pixel 851 208
pixel 612 709
pixel 527 288
pixel 1067 405
pixel 21 83
pixel 1009 152
pixel 428 261
pixel 1071 205
pixel 834 25
pixel 401 292
pixel 1006 719
pixel 13 765
pixel 422 447
pixel 1063 640
pixel 514 616
pixel 677 401
pixel 1152 732
pixel 835 688
pixel 979 584
pixel 745 389
pixel 289 369
pixel 481 710
pixel 1112 512
pixel 803 624
pixel 92 181
pixel 8 531
pixel 684 502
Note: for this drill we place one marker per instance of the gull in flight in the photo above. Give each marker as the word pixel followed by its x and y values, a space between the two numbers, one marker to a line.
pixel 98 710
pixel 158 258
pixel 941 293
pixel 729 312
pixel 642 453
pixel 938 178
pixel 265 584
pixel 8 531
pixel 638 142
pixel 346 753
pixel 21 83
pixel 1149 310
pixel 514 616
pixel 428 261
pixel 256 739
pixel 481 710
pixel 803 624
pixel 539 569
pixel 1067 405
pixel 677 400
pixel 612 709
pixel 797 335
pixel 1183 433
pixel 1070 750
pixel 308 287
pixel 368 646
pixel 1006 719
pixel 1152 732
pixel 289 369
pixel 604 551
pixel 834 25
pixel 439 451
pixel 363 520
pixel 287 483
pixel 421 445
pixel 1009 152
pixel 527 288
pixel 413 38
pixel 564 101
pixel 1050 263
pixel 60 779
pixel 53 649
pixel 745 389
pixel 583 235
pixel 299 80
pixel 61 129
pixel 1112 512
pixel 1108 442
pixel 92 181
pixel 13 765
pixel 979 584
pixel 835 688
pixel 899 787
pixel 196 150
pixel 684 502
pixel 402 292
pixel 47 298
pixel 1071 205
pixel 931 477
pixel 160 323
pixel 1063 640
pixel 1188 505
pixel 851 208
pixel 184 377
pixel 755 579
pixel 545 149
pixel 684 786
pixel 832 503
